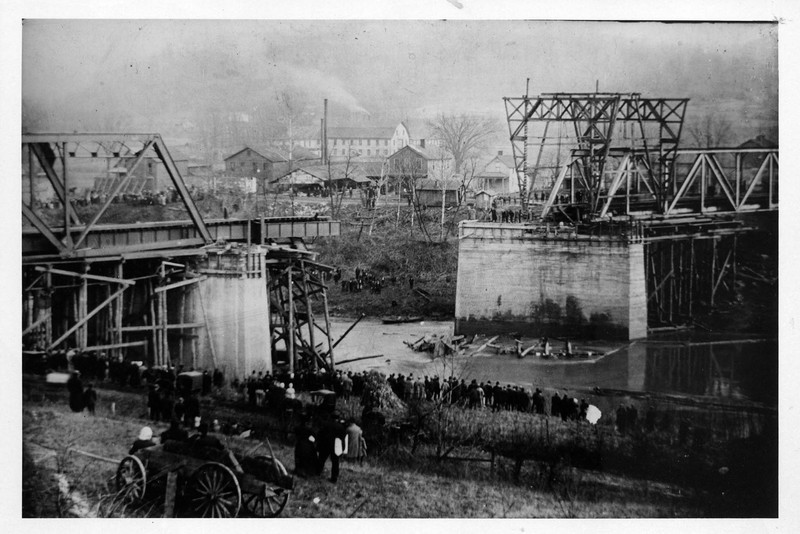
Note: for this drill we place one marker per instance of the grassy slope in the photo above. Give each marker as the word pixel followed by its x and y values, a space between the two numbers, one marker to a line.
pixel 393 251
pixel 384 487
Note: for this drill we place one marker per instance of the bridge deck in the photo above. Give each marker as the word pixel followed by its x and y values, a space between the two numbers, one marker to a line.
pixel 155 238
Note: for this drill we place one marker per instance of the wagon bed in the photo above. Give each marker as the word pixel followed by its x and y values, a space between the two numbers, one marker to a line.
pixel 211 482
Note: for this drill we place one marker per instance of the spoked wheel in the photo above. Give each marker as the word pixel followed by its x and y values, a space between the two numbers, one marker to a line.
pixel 131 478
pixel 272 501
pixel 213 491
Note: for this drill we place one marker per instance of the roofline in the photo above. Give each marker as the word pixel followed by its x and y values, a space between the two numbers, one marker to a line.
pixel 248 147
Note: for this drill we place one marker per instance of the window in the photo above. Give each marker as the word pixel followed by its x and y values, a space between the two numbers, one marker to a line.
pixel 369 152
pixel 385 152
pixel 255 166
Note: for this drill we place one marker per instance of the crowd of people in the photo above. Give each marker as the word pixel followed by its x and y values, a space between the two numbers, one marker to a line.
pixel 333 438
pixel 476 395
pixel 365 279
pixel 277 390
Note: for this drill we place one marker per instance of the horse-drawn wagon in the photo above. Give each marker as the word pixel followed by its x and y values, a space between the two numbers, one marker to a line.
pixel 209 481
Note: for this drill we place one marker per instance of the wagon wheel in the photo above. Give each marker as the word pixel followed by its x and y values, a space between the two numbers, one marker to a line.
pixel 131 478
pixel 213 491
pixel 272 501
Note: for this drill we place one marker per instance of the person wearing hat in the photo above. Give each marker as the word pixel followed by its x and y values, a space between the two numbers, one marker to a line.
pixel 331 443
pixel 145 440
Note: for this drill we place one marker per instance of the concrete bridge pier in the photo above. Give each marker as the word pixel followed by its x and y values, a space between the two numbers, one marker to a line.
pixel 535 281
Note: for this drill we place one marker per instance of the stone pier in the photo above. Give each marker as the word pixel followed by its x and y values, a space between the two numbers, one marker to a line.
pixel 549 281
pixel 232 300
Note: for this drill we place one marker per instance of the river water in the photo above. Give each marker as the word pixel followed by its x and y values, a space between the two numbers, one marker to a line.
pixel 695 364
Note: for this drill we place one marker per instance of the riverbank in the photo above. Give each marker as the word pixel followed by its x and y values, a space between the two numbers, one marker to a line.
pixel 383 487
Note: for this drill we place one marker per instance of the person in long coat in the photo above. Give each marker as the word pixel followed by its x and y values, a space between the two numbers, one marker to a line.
pixel 330 443
pixel 90 398
pixel 75 388
pixel 356 445
pixel 306 460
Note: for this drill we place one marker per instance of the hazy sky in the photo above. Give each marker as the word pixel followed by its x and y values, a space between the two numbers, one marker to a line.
pixel 411 68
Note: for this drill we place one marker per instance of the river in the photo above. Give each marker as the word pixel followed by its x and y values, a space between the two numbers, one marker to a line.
pixel 690 363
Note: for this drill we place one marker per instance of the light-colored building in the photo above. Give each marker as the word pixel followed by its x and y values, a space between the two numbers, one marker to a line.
pixel 498 176
pixel 420 134
pixel 369 142
pixel 313 179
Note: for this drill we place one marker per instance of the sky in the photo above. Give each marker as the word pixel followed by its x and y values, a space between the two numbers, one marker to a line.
pixel 146 69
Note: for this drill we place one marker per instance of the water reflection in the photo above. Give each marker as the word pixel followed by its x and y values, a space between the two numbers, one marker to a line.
pixel 696 364
pixel 726 370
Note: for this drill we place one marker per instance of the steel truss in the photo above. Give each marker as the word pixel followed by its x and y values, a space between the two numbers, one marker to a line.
pixel 643 131
pixel 52 154
pixel 734 180
pixel 296 288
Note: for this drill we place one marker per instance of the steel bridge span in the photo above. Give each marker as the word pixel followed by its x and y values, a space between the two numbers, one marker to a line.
pixel 236 294
pixel 633 231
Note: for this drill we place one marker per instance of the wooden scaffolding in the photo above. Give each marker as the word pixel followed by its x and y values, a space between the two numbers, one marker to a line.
pixel 299 330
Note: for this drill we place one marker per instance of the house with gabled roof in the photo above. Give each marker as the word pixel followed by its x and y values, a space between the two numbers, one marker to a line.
pixel 498 176
pixel 264 162
pixel 415 162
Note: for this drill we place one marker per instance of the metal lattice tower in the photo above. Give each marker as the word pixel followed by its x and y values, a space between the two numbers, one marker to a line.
pixel 614 136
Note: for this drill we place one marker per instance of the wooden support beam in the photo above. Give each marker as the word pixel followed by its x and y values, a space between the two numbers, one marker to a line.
pixel 291 347
pixel 119 306
pixel 84 319
pixel 86 276
pixel 722 272
pixel 179 284
pixel 181 318
pixel 41 320
pixel 153 329
pixel 83 302
pixel 164 321
pixel 309 312
pixel 173 326
pixel 110 346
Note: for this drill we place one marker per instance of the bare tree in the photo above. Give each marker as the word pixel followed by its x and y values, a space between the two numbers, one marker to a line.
pixel 336 172
pixel 711 130
pixel 467 176
pixel 407 171
pixel 461 135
